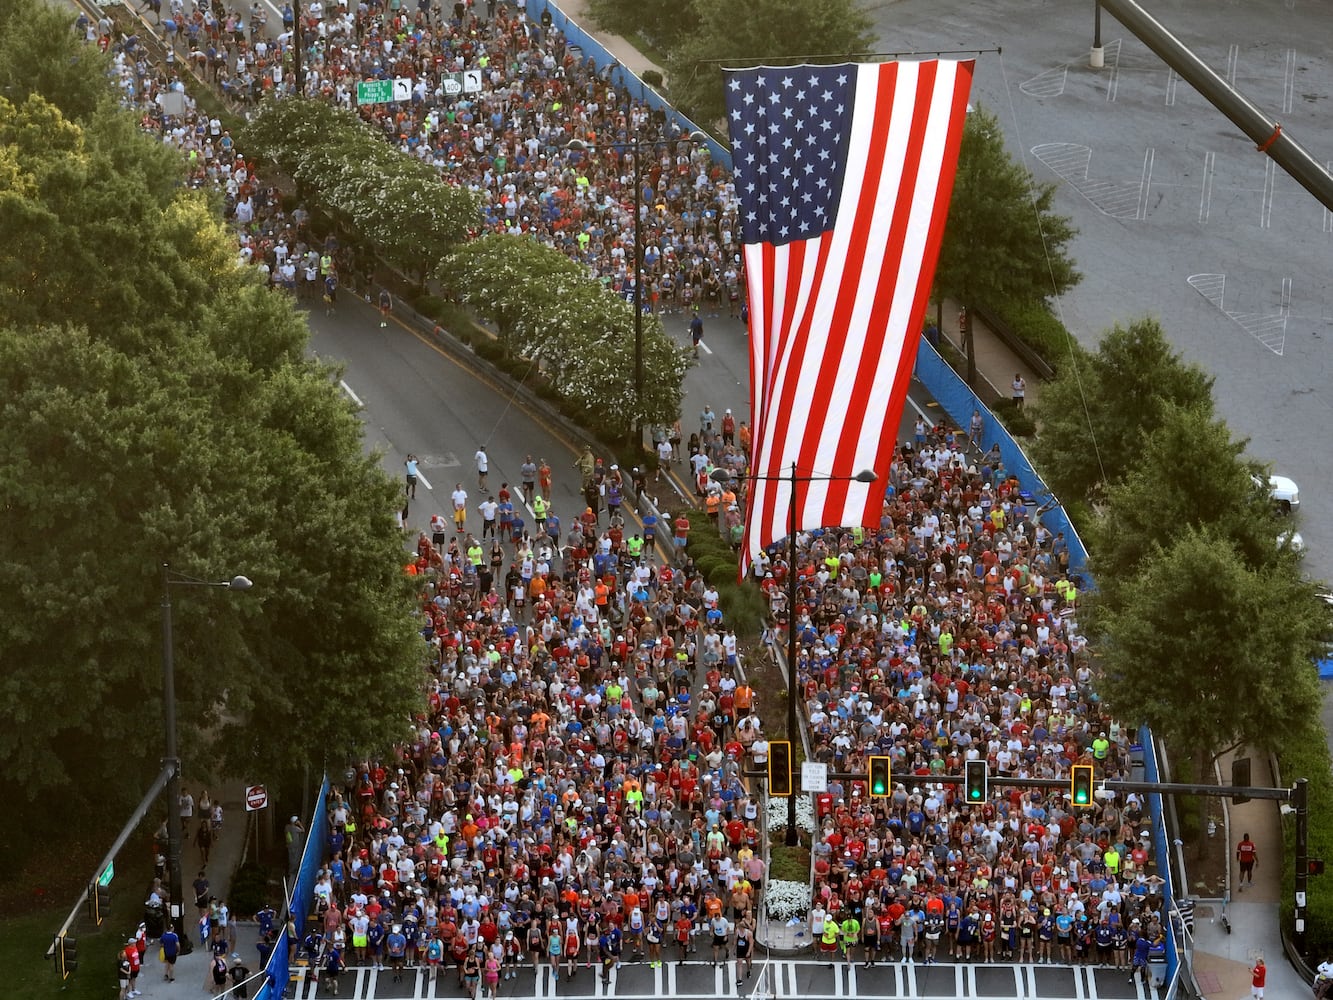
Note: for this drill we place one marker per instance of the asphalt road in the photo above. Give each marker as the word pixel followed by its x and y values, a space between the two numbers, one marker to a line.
pixel 1179 216
pixel 416 399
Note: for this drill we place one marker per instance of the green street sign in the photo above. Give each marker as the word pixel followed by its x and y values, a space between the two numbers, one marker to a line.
pixel 106 876
pixel 374 92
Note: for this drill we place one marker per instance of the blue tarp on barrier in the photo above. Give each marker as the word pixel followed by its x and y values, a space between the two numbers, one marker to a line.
pixel 620 76
pixel 1161 845
pixel 312 860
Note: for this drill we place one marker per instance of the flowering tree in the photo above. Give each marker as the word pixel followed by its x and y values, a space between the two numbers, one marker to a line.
pixel 550 309
pixel 396 203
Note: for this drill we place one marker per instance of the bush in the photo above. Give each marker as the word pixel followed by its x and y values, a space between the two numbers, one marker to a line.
pixel 653 78
pixel 1035 325
pixel 743 604
pixel 1018 422
pixel 249 890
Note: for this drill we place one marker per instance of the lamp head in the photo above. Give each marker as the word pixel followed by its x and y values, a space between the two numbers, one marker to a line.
pixel 240 583
pixel 866 476
pixel 720 476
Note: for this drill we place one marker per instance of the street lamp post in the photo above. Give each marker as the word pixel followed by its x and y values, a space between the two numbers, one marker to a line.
pixel 864 476
pixel 633 144
pixel 170 579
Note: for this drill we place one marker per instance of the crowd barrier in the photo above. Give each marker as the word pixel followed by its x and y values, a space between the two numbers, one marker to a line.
pixel 278 970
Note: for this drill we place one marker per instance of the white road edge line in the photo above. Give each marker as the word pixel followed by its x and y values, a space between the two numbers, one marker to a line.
pixel 351 395
pixel 423 480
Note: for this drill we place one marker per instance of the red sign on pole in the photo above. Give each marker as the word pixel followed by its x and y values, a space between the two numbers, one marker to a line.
pixel 256 797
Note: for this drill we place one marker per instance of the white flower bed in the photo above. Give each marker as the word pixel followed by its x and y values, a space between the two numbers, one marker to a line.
pixel 785 900
pixel 805 813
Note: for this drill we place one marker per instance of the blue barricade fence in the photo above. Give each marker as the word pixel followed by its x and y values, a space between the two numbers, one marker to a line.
pixel 312 860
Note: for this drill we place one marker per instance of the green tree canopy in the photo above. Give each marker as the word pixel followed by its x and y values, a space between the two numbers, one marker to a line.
pixel 736 33
pixel 1002 243
pixel 39 54
pixel 1211 652
pixel 662 23
pixel 1095 414
pixel 158 406
pixel 1189 472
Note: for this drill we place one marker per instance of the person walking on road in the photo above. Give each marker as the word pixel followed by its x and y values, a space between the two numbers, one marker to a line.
pixel 386 307
pixel 412 473
pixel 1248 856
pixel 696 332
pixel 483 466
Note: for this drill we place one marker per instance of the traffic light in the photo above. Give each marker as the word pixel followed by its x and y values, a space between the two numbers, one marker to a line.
pixel 1240 777
pixel 1314 866
pixel 66 955
pixel 881 777
pixel 779 768
pixel 99 903
pixel 975 777
pixel 1080 785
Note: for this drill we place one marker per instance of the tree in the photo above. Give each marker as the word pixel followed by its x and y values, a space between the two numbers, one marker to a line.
pixel 1095 414
pixel 397 204
pixel 1002 243
pixel 753 32
pixel 662 23
pixel 1189 472
pixel 39 54
pixel 550 309
pixel 158 405
pixel 1211 652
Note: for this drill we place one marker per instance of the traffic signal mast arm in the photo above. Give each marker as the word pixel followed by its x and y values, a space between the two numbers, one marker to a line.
pixel 1114 785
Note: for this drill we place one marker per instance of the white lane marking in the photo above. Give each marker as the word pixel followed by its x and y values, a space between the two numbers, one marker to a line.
pixel 1206 196
pixel 353 396
pixel 706 348
pixel 423 480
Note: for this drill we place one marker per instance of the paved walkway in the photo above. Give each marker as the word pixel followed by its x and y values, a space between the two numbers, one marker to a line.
pixel 1223 959
pixel 192 970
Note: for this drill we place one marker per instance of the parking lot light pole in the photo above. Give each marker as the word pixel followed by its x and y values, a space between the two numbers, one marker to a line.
pixel 175 881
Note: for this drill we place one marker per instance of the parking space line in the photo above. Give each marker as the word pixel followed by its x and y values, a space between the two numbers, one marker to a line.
pixel 1266 207
pixel 1289 83
pixel 1206 197
pixel 1233 61
pixel 1171 80
pixel 1149 158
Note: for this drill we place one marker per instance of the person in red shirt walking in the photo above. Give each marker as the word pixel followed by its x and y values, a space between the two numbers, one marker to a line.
pixel 1257 976
pixel 1248 856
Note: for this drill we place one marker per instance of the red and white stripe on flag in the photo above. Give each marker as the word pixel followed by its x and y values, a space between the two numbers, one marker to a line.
pixel 835 319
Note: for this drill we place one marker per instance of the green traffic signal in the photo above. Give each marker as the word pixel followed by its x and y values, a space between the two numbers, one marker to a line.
pixel 880 777
pixel 975 777
pixel 1080 785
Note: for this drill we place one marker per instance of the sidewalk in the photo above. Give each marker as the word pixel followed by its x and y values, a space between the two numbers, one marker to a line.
pixel 192 969
pixel 630 57
pixel 996 363
pixel 1222 960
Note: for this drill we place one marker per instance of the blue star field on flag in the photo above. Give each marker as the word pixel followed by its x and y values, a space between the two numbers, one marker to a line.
pixel 789 135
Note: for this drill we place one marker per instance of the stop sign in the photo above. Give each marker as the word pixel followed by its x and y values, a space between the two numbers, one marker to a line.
pixel 256 797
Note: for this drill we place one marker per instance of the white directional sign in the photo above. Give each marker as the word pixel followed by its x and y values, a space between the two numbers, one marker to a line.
pixel 814 776
pixel 402 88
pixel 472 81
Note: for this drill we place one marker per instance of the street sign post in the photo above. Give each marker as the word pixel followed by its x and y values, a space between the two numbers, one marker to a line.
pixel 256 797
pixel 374 92
pixel 814 776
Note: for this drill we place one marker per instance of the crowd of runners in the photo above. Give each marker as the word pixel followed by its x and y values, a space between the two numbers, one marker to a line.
pixel 574 793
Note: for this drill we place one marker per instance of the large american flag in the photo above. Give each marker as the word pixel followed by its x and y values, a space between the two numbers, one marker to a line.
pixel 844 175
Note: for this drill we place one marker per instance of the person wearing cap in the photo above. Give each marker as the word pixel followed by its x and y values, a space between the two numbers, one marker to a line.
pixel 216 981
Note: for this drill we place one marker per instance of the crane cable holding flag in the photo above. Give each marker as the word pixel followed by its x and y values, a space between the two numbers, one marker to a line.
pixel 844 175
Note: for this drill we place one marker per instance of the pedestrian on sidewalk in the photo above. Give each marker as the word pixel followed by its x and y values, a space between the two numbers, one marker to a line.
pixel 1257 976
pixel 1020 389
pixel 1248 856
